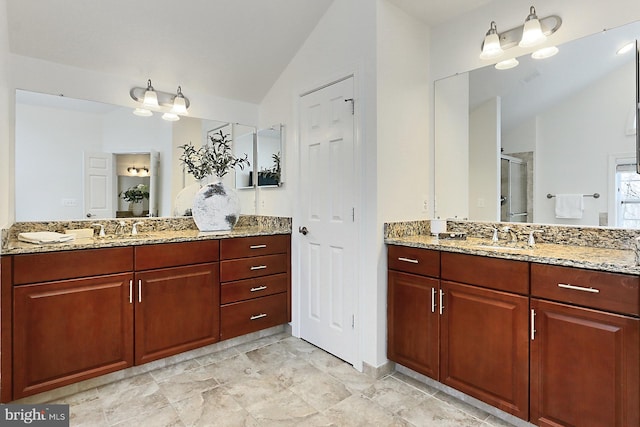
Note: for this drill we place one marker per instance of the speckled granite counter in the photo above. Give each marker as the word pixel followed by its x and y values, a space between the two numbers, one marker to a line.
pixel 152 231
pixel 589 257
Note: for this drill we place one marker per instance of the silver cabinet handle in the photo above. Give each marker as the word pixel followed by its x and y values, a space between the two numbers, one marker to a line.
pixel 259 288
pixel 257 246
pixel 412 261
pixel 130 291
pixel 139 290
pixel 441 301
pixel 578 288
pixel 433 300
pixel 258 267
pixel 533 324
pixel 258 316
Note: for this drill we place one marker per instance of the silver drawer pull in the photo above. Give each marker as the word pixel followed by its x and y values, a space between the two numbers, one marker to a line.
pixel 258 316
pixel 257 246
pixel 578 288
pixel 258 267
pixel 259 288
pixel 412 261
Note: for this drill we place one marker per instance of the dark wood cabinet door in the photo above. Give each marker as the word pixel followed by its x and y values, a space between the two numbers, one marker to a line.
pixel 413 322
pixel 71 330
pixel 584 367
pixel 176 309
pixel 485 346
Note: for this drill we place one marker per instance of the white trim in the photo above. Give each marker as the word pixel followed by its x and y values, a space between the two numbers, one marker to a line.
pixel 358 202
pixel 614 160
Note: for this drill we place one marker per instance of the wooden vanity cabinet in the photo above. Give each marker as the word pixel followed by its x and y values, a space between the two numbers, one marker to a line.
pixel 70 324
pixel 483 331
pixel 585 347
pixel 176 299
pixel 255 275
pixel 413 319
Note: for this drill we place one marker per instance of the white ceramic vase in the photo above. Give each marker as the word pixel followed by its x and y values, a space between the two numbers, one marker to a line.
pixel 136 208
pixel 216 207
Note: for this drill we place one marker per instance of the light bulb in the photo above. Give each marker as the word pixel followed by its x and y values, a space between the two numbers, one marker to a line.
pixel 491 47
pixel 150 96
pixel 170 117
pixel 179 103
pixel 506 64
pixel 142 112
pixel 532 32
pixel 545 52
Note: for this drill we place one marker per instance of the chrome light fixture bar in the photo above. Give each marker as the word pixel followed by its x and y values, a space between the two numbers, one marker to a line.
pixel 172 104
pixel 526 35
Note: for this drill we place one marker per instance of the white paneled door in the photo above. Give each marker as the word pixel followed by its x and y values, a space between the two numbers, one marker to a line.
pixel 327 222
pixel 98 185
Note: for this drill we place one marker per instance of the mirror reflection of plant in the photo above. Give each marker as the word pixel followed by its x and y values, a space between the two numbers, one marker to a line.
pixel 135 194
pixel 211 159
pixel 274 171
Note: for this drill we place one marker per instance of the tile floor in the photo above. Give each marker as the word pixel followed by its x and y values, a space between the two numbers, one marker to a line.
pixel 274 381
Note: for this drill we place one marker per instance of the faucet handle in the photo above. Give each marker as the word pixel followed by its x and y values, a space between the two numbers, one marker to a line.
pixel 134 228
pixel 532 240
pixel 101 233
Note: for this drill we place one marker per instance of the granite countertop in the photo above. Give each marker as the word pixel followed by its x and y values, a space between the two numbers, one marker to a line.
pixel 15 247
pixel 612 260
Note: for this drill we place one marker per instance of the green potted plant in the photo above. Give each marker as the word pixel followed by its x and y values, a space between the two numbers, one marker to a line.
pixel 216 206
pixel 135 195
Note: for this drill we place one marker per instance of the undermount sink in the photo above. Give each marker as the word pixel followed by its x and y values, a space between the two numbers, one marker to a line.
pixel 503 246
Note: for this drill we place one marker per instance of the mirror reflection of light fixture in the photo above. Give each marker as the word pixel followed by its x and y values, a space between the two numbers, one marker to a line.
pixel 507 64
pixel 132 170
pixel 532 33
pixel 545 52
pixel 138 171
pixel 626 48
pixel 154 100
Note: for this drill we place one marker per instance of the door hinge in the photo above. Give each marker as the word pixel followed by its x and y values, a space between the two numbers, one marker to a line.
pixel 353 108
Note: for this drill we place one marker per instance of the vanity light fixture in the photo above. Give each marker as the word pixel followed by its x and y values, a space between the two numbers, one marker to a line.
pixel 491 47
pixel 133 170
pixel 171 104
pixel 150 97
pixel 533 32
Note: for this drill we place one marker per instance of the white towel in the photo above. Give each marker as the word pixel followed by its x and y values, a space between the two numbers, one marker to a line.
pixel 569 206
pixel 43 237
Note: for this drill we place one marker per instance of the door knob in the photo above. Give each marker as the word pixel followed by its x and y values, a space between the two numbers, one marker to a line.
pixel 303 230
pixel 89 215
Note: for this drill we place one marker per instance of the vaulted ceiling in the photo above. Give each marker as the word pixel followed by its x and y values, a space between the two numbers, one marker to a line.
pixel 229 48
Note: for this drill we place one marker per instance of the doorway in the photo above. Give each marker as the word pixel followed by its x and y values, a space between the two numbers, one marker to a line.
pixel 328 226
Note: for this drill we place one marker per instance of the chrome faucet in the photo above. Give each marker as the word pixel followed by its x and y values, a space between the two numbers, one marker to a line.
pixel 532 240
pixel 120 228
pixel 101 232
pixel 134 228
pixel 513 237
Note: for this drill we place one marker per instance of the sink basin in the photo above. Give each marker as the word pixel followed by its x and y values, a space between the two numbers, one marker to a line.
pixel 503 247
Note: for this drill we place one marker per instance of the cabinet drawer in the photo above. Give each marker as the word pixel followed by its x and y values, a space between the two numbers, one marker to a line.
pixel 414 260
pixel 174 254
pixel 501 274
pixel 253 315
pixel 35 268
pixel 597 289
pixel 252 288
pixel 245 268
pixel 243 247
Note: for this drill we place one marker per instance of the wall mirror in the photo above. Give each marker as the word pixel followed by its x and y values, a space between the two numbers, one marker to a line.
pixel 60 140
pixel 507 142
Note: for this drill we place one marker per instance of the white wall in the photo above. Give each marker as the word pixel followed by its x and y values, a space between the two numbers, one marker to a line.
pixel 484 161
pixel 452 151
pixel 591 126
pixel 6 128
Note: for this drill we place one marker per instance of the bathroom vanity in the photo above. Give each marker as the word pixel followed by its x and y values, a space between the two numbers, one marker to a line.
pixel 75 311
pixel 552 339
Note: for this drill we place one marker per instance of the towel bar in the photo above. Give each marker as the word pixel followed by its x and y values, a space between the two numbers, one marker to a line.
pixel 594 195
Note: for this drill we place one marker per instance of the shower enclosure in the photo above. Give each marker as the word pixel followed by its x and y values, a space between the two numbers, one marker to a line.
pixel 513 189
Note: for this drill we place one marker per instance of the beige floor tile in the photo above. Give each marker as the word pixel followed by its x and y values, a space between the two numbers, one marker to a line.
pixel 133 402
pixel 162 417
pixel 435 413
pixel 182 386
pixel 213 408
pixel 357 410
pixel 170 371
pixel 394 395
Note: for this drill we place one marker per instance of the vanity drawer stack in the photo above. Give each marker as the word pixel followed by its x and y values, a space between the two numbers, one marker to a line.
pixel 255 281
